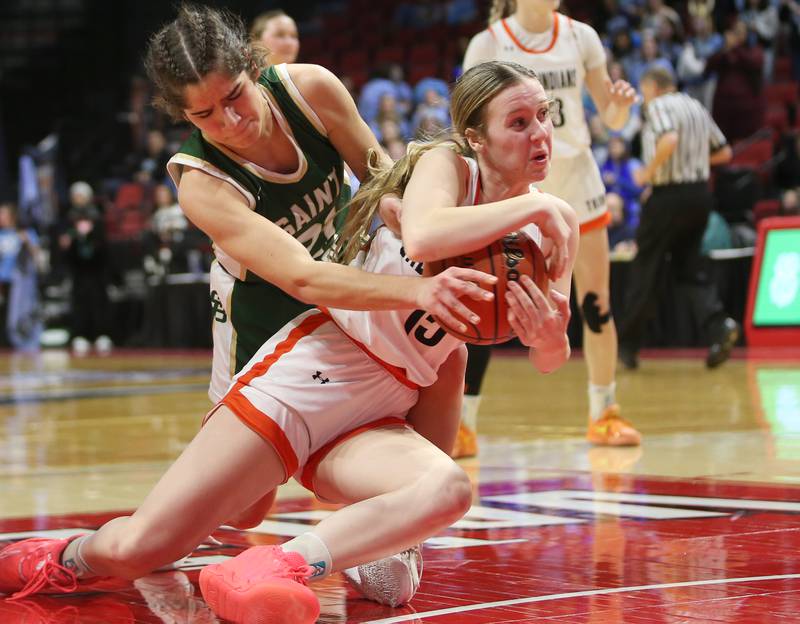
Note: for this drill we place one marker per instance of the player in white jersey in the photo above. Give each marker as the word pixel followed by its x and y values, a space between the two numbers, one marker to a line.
pixel 317 403
pixel 567 55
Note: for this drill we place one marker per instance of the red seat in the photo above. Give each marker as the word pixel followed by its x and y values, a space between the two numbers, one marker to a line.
pixel 777 118
pixel 355 59
pixel 390 54
pixel 129 195
pixel 423 70
pixel 755 153
pixel 783 69
pixel 785 93
pixel 766 208
pixel 425 53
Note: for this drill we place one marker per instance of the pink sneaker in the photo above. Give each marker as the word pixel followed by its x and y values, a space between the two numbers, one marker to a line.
pixel 33 566
pixel 262 585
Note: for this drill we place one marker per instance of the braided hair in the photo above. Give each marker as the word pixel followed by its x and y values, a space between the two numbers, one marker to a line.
pixel 200 40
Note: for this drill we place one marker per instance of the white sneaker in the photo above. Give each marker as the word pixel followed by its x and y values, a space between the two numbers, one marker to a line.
pixel 103 345
pixel 392 581
pixel 80 346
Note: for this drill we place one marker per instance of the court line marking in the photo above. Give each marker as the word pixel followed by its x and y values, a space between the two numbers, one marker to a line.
pixel 98 393
pixel 592 592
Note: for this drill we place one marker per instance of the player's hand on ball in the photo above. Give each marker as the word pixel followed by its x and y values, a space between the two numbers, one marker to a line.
pixel 552 225
pixel 540 321
pixel 440 295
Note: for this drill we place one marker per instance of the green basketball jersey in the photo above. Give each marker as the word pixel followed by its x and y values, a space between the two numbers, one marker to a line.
pixel 308 204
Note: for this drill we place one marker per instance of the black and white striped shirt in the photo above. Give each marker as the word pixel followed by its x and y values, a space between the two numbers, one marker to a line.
pixel 698 135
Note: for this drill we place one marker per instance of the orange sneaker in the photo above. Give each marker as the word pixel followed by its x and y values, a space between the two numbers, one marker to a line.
pixel 262 584
pixel 466 443
pixel 612 430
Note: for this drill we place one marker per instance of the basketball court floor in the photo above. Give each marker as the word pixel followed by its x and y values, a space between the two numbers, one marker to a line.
pixel 699 525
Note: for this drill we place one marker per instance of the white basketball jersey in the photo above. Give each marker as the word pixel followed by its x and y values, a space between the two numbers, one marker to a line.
pixel 408 339
pixel 560 57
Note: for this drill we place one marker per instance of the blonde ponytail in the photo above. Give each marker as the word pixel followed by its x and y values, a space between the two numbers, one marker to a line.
pixel 381 181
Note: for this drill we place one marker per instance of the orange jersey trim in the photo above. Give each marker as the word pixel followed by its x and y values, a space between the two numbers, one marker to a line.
pixel 264 426
pixel 595 224
pixel 254 418
pixel 518 43
pixel 310 469
pixel 397 372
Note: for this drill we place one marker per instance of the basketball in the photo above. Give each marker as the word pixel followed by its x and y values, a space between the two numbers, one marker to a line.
pixel 508 258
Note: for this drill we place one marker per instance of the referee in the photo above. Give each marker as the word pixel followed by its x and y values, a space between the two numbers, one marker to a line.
pixel 680 141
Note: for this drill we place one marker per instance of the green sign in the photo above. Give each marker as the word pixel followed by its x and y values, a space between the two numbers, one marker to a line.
pixel 778 292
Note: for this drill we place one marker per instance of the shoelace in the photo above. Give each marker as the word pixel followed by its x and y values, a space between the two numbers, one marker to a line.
pixel 301 573
pixel 51 574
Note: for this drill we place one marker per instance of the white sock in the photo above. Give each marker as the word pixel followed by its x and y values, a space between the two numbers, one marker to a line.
pixel 72 558
pixel 600 397
pixel 311 547
pixel 469 410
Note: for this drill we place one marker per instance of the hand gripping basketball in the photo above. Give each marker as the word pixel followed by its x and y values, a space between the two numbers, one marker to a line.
pixel 508 258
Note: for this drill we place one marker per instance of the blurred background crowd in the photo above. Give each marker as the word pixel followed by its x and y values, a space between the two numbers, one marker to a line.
pixel 94 250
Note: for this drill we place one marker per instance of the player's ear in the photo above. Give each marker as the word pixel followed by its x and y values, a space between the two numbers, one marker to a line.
pixel 474 139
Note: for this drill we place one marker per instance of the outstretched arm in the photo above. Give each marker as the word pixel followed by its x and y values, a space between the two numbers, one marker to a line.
pixel 218 209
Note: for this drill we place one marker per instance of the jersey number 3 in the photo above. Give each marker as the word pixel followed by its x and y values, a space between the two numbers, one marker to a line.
pixel 558 113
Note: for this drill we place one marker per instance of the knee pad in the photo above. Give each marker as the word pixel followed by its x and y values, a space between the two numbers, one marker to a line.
pixel 591 313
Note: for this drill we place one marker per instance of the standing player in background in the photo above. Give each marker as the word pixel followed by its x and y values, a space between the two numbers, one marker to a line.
pixel 277 32
pixel 566 55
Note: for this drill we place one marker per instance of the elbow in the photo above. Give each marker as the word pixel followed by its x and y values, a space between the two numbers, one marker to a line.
pixel 417 245
pixel 722 156
pixel 300 284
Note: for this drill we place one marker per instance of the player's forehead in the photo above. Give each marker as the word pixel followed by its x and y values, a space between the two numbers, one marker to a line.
pixel 528 93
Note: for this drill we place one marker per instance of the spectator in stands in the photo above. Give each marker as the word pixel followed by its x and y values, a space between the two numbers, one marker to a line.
pixel 153 166
pixel 379 85
pixel 168 216
pixel 437 84
pixel 403 94
pixel 787 171
pixel 670 40
pixel 388 112
pixel 86 253
pixel 277 32
pixel 621 236
pixel 19 247
pixel 623 46
pixel 704 43
pixel 396 149
pixel 761 19
pixel 657 13
pixel 599 134
pixel 619 179
pixel 790 202
pixel 738 100
pixel 432 112
pixel 167 249
pixel 790 15
pixel 648 56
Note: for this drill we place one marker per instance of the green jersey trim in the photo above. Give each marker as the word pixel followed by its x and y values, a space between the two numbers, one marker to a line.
pixel 180 160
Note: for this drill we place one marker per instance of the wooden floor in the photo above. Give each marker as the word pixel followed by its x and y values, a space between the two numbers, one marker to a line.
pixel 700 524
